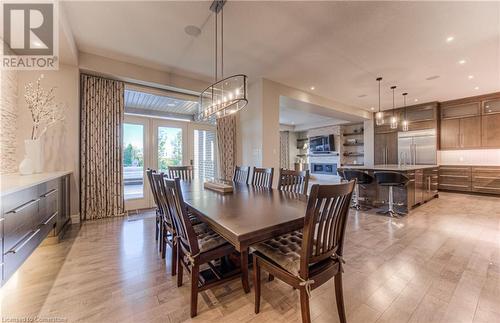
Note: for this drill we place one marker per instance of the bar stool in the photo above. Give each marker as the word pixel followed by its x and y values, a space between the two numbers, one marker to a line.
pixel 361 178
pixel 391 180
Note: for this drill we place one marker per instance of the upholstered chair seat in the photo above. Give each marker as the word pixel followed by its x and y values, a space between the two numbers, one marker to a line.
pixel 283 251
pixel 207 238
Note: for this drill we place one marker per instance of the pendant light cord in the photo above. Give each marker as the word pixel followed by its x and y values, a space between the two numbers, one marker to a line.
pixel 222 44
pixel 216 45
pixel 393 88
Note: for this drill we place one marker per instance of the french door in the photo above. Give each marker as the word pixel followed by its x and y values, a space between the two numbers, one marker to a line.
pixel 159 143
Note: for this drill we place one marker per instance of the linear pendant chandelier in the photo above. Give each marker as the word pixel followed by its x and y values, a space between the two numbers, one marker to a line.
pixel 226 95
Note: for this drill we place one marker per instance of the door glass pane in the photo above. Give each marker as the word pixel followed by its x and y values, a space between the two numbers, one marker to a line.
pixel 133 160
pixel 169 147
pixel 204 154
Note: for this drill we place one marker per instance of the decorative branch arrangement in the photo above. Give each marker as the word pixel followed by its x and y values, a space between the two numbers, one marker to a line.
pixel 44 111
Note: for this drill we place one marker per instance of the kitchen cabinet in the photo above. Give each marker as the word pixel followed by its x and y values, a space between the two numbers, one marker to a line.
pixel 491 106
pixel 455 178
pixel 29 214
pixel 490 135
pixel 486 179
pixel 386 148
pixel 419 186
pixel 469 109
pixel 420 113
pixel 431 183
pixel 461 133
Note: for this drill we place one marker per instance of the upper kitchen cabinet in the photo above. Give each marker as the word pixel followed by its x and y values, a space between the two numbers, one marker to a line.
pixel 422 116
pixel 491 106
pixel 460 110
pixel 490 136
pixel 471 123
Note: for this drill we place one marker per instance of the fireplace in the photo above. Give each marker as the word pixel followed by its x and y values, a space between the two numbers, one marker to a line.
pixel 322 168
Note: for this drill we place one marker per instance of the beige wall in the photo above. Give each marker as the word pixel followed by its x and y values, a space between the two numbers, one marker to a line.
pixel 8 121
pixel 258 142
pixel 61 142
pixel 138 74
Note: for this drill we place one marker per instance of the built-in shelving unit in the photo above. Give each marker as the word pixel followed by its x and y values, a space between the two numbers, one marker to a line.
pixel 353 145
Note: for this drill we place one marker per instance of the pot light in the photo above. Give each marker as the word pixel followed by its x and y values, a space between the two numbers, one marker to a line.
pixel 470 77
pixel 416 100
pixel 462 61
pixel 476 88
pixel 372 108
pixel 312 88
pixel 449 39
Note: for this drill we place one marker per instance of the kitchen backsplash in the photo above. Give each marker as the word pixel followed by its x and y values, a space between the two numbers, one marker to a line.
pixel 469 157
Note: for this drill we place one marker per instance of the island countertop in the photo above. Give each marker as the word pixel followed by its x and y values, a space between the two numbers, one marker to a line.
pixel 390 167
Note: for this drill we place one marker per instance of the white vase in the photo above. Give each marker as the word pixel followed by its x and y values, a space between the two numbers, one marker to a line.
pixel 26 166
pixel 34 152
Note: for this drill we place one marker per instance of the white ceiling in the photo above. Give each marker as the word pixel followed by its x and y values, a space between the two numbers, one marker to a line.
pixel 337 47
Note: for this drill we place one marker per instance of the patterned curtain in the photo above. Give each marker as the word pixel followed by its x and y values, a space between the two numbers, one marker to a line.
pixel 101 118
pixel 284 149
pixel 226 143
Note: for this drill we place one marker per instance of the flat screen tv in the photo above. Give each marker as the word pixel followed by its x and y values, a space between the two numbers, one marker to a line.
pixel 321 144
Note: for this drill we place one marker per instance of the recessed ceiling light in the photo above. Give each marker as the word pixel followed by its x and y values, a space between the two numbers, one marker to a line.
pixel 312 88
pixel 476 88
pixel 416 100
pixel 462 61
pixel 449 39
pixel 372 108
pixel 470 77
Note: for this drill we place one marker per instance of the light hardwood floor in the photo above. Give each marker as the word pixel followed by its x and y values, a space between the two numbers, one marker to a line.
pixel 441 263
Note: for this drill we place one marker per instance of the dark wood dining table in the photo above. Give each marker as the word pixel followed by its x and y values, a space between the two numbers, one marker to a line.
pixel 246 216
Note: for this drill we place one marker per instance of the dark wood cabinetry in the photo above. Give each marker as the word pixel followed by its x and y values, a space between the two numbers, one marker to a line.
pixel 386 148
pixel 479 179
pixel 470 123
pixel 455 178
pixel 490 136
pixel 28 216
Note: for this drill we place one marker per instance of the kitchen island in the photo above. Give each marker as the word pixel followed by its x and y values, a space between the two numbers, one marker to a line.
pixel 422 186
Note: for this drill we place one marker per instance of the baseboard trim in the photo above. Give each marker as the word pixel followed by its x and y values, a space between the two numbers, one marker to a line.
pixel 75 218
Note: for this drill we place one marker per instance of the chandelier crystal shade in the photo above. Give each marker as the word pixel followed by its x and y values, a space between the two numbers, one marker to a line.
pixel 394 119
pixel 226 95
pixel 379 116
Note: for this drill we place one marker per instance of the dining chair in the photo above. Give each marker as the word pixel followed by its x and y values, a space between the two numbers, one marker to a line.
pixel 149 174
pixel 185 173
pixel 293 181
pixel 308 258
pixel 241 174
pixel 262 177
pixel 167 231
pixel 197 245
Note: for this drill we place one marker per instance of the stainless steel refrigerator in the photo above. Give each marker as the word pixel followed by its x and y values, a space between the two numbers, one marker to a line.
pixel 417 147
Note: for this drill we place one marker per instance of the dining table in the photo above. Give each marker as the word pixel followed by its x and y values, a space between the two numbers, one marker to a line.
pixel 245 216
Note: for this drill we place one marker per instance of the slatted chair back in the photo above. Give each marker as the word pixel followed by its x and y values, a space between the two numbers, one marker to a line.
pixel 160 200
pixel 186 235
pixel 149 174
pixel 185 173
pixel 325 224
pixel 293 181
pixel 241 174
pixel 262 177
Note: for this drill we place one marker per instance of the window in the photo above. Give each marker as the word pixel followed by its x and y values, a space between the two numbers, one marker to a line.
pixel 204 154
